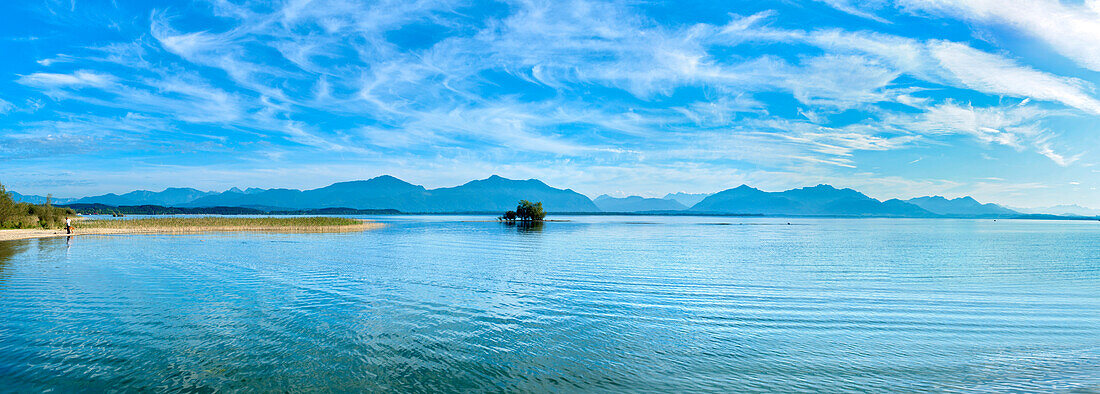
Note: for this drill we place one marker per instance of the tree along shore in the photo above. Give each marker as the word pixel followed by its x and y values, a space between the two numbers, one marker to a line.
pixel 21 215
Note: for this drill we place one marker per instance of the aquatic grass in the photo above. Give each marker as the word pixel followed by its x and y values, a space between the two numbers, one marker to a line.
pixel 219 223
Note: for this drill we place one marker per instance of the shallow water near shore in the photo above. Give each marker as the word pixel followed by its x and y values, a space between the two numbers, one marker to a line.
pixel 597 303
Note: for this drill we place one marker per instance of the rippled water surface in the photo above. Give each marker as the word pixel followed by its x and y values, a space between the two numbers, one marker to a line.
pixel 594 304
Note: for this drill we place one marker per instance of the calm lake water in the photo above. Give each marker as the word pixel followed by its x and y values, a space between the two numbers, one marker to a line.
pixel 596 304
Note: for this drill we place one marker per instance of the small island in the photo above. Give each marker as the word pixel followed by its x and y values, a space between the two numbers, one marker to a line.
pixel 526 212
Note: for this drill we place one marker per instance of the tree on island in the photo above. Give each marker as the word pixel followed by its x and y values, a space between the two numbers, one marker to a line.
pixel 526 211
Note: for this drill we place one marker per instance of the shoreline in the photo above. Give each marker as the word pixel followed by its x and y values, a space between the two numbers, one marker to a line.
pixel 21 234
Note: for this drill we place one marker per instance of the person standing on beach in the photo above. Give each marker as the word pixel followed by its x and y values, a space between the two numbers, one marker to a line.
pixel 68 225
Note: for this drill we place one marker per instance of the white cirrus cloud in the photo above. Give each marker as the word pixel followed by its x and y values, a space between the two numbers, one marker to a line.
pixel 593 84
pixel 77 79
pixel 1007 126
pixel 1072 30
pixel 1016 126
pixel 989 73
pixel 936 61
pixel 858 9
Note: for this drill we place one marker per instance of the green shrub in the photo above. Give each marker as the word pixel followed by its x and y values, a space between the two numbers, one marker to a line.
pixel 528 211
pixel 23 215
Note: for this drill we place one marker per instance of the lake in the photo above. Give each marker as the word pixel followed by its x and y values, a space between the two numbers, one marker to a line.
pixel 599 303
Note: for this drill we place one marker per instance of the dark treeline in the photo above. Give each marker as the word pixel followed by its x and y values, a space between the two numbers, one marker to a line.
pixel 338 211
pixel 103 209
pixel 25 215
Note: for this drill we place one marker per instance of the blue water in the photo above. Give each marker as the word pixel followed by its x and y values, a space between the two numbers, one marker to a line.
pixel 438 303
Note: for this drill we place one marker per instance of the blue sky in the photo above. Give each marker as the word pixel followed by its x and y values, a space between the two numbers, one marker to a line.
pixel 992 99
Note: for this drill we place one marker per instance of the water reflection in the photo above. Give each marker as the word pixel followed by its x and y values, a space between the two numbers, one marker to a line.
pixel 526 227
pixel 8 249
pixel 596 304
pixel 50 249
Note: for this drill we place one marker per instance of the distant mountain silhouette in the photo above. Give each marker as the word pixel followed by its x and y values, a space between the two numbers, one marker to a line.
pixel 498 194
pixel 251 190
pixel 687 199
pixel 746 199
pixel 962 206
pixel 377 193
pixel 168 197
pixel 37 199
pixel 817 200
pixel 387 192
pixel 607 203
pixel 1061 210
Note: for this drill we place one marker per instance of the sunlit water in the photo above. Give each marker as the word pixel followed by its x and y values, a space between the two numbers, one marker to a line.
pixel 596 304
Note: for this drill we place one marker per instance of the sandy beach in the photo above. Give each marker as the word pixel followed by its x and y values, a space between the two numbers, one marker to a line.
pixel 11 235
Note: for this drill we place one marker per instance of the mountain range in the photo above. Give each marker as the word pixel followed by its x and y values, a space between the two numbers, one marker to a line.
pixel 607 203
pixel 169 197
pixel 1063 210
pixel 38 199
pixel 959 206
pixel 817 200
pixel 687 199
pixel 497 194
pixel 494 194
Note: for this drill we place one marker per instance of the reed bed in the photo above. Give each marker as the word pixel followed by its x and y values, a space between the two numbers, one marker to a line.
pixel 217 223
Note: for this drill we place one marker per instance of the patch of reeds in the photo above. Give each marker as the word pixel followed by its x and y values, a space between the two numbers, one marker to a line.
pixel 215 223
